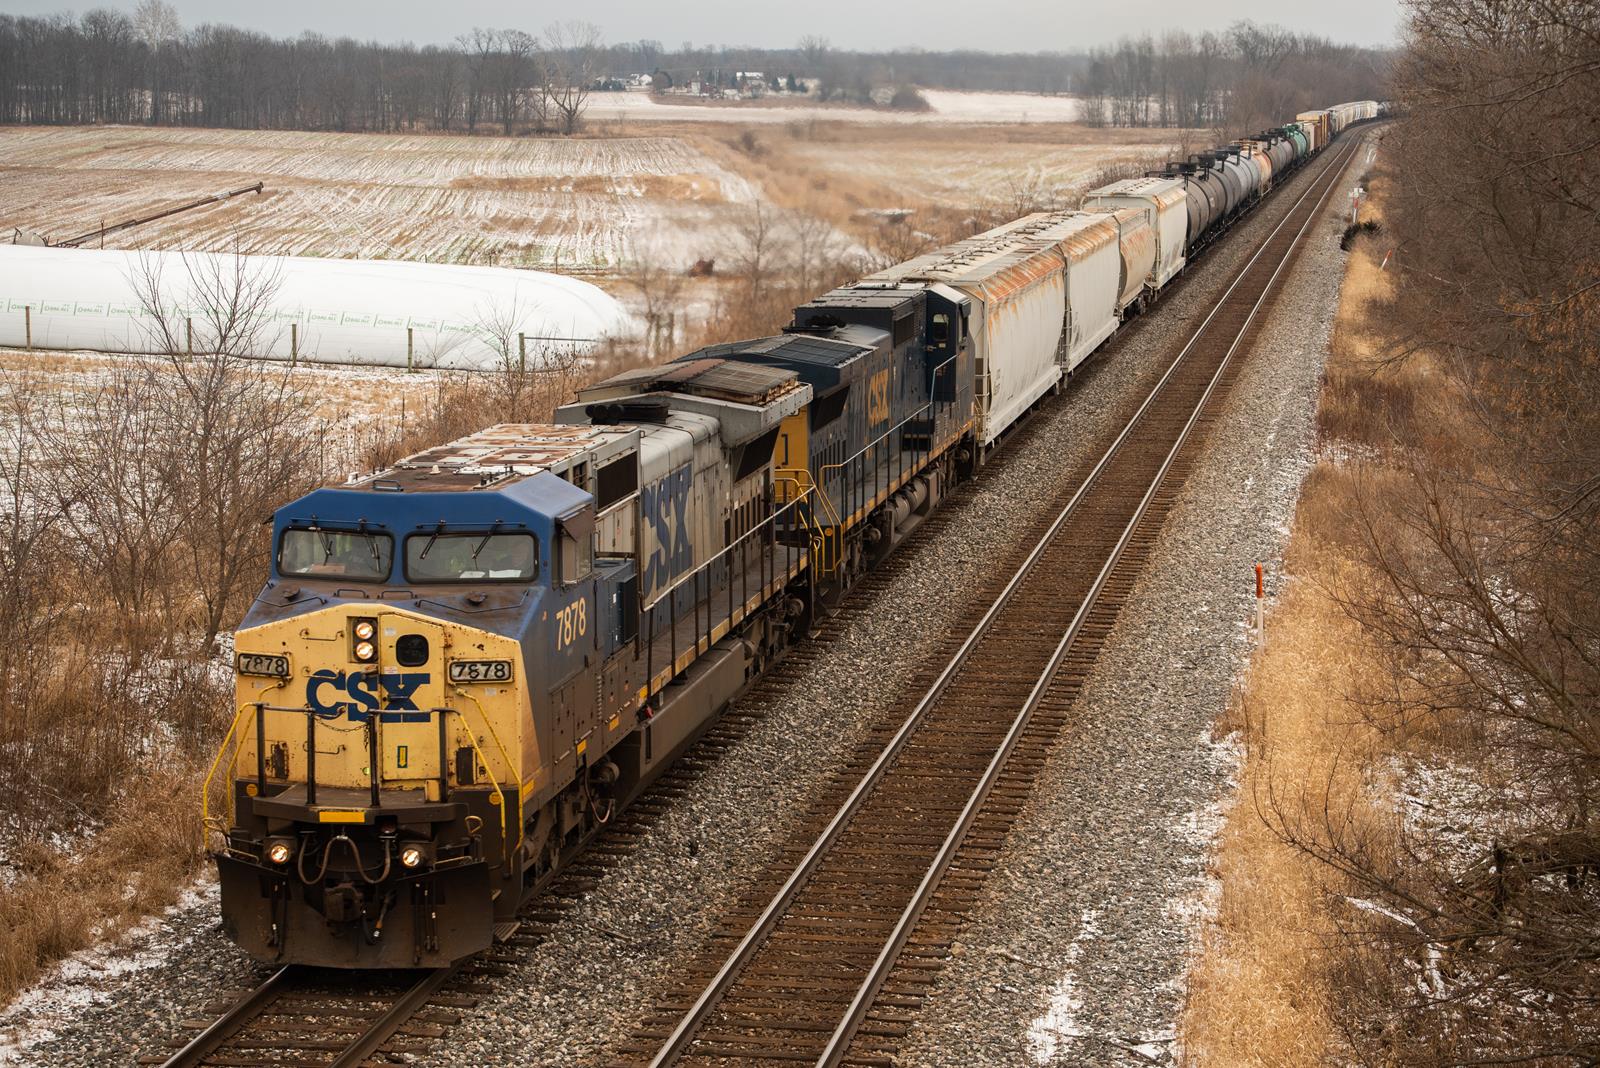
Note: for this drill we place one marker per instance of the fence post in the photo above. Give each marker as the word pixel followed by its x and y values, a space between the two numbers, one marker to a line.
pixel 188 333
pixel 410 349
pixel 27 324
pixel 294 343
pixel 522 354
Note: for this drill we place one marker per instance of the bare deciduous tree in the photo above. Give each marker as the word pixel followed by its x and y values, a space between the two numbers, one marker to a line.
pixel 755 245
pixel 571 60
pixel 116 481
pixel 648 270
pixel 1479 535
pixel 234 428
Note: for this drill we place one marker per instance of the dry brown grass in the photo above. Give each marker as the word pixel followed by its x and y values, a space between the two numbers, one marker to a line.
pixel 137 864
pixel 1258 995
pixel 1262 991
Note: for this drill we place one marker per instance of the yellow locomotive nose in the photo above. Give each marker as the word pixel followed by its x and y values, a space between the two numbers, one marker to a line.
pixel 371 772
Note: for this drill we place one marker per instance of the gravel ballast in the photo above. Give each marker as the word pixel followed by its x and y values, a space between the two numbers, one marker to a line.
pixel 1079 952
pixel 1118 831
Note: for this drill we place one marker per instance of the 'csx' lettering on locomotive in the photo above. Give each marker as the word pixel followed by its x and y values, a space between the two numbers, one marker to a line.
pixel 878 398
pixel 665 506
pixel 394 704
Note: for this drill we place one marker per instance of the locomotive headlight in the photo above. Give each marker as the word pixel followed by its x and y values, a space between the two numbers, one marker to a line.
pixel 279 852
pixel 365 630
pixel 365 651
pixel 410 856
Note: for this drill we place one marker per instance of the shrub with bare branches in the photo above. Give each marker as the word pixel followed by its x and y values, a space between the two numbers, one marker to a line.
pixel 1482 536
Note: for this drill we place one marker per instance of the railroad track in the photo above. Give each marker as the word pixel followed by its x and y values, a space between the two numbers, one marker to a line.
pixel 835 947
pixel 304 1017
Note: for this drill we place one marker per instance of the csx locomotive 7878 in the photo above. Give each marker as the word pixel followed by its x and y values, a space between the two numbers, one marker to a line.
pixel 462 666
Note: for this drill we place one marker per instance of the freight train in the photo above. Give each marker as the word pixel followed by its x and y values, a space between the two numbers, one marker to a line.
pixel 462 666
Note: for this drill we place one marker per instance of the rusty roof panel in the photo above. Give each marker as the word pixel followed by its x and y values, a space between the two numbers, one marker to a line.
pixel 507 449
pixel 1163 192
pixel 981 260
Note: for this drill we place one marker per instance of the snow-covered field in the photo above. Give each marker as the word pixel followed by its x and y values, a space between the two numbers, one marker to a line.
pixel 674 190
pixel 494 201
pixel 985 173
pixel 678 187
pixel 947 106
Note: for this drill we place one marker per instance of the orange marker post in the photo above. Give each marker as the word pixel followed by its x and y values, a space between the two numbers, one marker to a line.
pixel 1261 592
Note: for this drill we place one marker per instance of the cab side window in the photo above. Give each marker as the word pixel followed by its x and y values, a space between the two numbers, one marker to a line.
pixel 574 549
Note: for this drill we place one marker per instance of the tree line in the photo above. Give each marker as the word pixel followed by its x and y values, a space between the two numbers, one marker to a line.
pixel 1249 76
pixel 1478 528
pixel 109 66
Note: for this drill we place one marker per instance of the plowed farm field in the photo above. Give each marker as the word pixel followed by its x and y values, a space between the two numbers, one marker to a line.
pixel 670 191
pixel 564 204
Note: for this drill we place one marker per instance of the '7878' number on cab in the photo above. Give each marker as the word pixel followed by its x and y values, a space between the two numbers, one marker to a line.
pixel 480 671
pixel 572 622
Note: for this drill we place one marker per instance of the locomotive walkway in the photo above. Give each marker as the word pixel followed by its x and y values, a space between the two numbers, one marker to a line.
pixel 837 944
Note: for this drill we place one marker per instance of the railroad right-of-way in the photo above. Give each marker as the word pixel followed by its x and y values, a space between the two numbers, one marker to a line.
pixel 821 972
pixel 620 937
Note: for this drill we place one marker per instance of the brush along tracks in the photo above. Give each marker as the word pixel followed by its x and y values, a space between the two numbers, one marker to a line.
pixel 837 944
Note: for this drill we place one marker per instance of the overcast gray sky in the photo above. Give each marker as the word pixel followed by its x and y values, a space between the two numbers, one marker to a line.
pixel 1010 26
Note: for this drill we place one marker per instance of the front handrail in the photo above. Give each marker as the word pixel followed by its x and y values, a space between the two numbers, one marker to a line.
pixel 505 839
pixel 235 737
pixel 216 762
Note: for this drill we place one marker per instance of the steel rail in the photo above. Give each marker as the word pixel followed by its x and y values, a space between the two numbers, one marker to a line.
pixel 683 1035
pixel 384 1027
pixel 254 1004
pixel 230 1023
pixel 856 1012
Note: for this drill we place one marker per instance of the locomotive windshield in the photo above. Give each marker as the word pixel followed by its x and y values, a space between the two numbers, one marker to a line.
pixel 336 554
pixel 471 557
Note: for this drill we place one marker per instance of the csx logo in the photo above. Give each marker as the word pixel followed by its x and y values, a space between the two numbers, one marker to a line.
pixel 878 399
pixel 324 690
pixel 665 506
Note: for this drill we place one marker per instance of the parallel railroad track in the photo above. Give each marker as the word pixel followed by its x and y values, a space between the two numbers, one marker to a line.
pixel 836 945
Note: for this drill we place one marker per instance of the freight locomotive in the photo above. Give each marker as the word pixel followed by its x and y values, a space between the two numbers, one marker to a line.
pixel 462 666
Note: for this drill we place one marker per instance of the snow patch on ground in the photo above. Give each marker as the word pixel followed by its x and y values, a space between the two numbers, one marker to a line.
pixel 1201 830
pixel 944 106
pixel 1057 1027
pixel 80 980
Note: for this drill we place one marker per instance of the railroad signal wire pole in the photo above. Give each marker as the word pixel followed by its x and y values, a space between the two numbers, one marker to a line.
pixel 806 979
